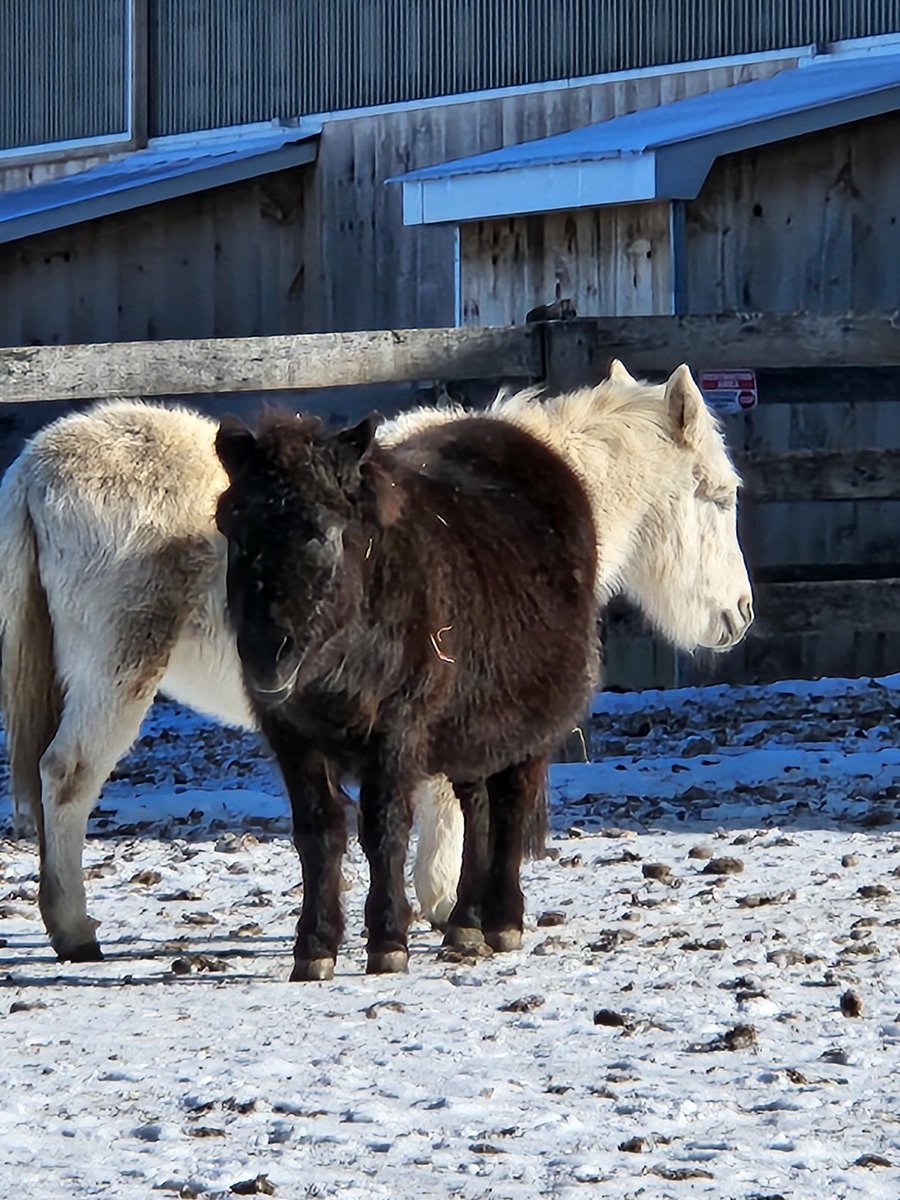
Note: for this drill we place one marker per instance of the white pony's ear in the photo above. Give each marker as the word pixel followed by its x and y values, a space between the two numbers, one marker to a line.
pixel 686 406
pixel 618 373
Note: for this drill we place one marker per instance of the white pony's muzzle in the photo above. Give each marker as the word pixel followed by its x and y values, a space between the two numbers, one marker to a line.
pixel 730 626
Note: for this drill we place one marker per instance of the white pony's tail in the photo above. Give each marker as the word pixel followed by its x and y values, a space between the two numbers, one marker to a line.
pixel 30 694
pixel 439 852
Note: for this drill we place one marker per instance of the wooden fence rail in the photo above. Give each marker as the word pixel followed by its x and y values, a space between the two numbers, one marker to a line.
pixel 261 364
pixel 841 606
pixel 871 474
pixel 564 352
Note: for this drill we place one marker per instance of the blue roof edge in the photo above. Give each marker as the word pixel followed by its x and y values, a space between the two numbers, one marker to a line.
pixel 149 176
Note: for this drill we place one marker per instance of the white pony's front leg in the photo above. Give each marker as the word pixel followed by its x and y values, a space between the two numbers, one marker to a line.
pixel 439 821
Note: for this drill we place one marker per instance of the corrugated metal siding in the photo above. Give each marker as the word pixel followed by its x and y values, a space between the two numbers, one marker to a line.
pixel 218 62
pixel 62 70
pixel 224 62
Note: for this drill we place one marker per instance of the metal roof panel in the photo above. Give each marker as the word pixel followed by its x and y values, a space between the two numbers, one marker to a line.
pixel 160 172
pixel 678 141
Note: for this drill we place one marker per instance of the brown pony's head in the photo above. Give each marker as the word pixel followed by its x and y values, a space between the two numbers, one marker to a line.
pixel 297 516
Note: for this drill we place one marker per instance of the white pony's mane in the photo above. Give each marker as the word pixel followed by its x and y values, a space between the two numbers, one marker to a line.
pixel 623 415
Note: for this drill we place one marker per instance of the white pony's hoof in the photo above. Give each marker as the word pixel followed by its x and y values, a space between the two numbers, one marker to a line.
pixel 437 912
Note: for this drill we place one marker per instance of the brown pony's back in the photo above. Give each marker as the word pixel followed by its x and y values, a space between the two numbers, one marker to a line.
pixel 503 530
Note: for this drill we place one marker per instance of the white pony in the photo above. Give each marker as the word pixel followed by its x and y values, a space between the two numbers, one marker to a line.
pixel 112 587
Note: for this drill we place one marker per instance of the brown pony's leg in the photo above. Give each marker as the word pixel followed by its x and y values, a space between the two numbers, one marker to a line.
pixel 464 925
pixel 516 796
pixel 320 835
pixel 385 820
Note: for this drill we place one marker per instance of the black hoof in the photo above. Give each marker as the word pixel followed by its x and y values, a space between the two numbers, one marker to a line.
pixel 463 937
pixel 387 962
pixel 86 952
pixel 504 941
pixel 309 969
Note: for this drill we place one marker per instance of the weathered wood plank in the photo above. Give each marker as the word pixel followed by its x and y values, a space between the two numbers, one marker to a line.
pixel 872 604
pixel 822 474
pixel 579 351
pixel 790 203
pixel 266 363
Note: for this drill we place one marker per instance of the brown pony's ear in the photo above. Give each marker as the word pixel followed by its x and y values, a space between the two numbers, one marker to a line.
pixel 359 438
pixel 687 407
pixel 234 444
pixel 384 490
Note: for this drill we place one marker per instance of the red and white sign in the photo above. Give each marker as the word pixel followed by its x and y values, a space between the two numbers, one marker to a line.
pixel 729 391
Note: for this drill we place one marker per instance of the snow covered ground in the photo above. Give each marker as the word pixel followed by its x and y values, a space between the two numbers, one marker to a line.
pixel 707 1004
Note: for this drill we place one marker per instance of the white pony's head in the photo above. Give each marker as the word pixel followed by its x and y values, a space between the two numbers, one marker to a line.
pixel 686 570
pixel 663 493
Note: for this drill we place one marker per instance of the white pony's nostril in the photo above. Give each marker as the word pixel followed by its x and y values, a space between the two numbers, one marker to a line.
pixel 745 608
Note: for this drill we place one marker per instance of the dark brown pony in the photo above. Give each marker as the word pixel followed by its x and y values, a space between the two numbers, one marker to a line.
pixel 401 613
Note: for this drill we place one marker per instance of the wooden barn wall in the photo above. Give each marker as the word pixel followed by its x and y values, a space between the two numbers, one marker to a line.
pixel 812 224
pixel 607 261
pixel 225 263
pixel 324 250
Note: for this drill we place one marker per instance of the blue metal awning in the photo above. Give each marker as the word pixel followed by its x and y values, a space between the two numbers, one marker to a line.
pixel 176 167
pixel 662 153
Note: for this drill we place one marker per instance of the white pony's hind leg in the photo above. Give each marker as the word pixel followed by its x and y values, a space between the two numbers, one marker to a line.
pixel 439 851
pixel 95 731
pixel 23 822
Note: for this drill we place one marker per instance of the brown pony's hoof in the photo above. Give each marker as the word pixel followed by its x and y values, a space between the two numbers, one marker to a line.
pixel 463 937
pixel 387 962
pixel 86 952
pixel 308 969
pixel 504 940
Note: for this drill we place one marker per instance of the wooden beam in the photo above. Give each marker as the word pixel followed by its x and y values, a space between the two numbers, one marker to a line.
pixel 86 372
pixel 578 352
pixel 872 605
pixel 822 475
pixel 565 353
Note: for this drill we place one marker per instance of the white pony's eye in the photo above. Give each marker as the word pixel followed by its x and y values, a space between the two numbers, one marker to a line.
pixel 724 498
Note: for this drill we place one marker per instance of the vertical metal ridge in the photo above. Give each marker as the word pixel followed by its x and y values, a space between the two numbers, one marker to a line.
pixel 234 61
pixel 62 70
